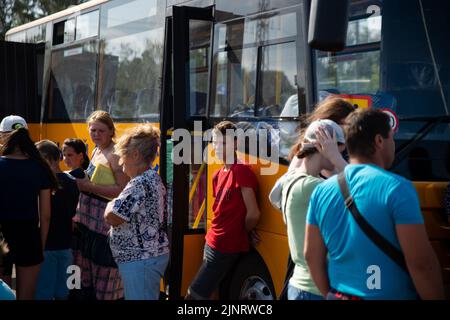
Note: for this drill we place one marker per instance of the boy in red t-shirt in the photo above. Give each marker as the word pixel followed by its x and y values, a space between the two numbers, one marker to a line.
pixel 236 214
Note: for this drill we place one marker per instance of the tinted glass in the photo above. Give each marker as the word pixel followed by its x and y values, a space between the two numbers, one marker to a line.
pixel 73 82
pixel 132 36
pixel 234 83
pixel 87 25
pixel 199 44
pixel 36 34
pixel 226 9
pixel 354 73
pixel 252 30
pixel 64 31
pixel 278 74
pixel 385 67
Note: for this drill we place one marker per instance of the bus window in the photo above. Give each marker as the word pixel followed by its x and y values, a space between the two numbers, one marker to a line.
pixel 357 69
pixel 131 59
pixel 238 45
pixel 362 31
pixel 72 85
pixel 349 73
pixel 199 38
pixel 36 34
pixel 239 8
pixel 64 31
pixel 255 74
pixel 234 72
pixel 270 27
pixel 125 11
pixel 278 73
pixel 87 25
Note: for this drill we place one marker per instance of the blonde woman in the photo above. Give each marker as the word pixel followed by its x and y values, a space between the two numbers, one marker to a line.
pixel 139 240
pixel 100 276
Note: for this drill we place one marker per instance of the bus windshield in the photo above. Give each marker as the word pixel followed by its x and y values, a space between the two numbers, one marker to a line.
pixel 382 67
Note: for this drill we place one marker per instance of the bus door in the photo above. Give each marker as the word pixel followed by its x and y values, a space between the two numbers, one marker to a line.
pixel 20 83
pixel 191 49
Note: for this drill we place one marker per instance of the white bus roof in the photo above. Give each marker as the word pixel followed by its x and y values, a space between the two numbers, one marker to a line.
pixel 55 16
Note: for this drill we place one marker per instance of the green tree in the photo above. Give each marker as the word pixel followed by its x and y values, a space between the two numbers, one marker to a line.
pixel 52 6
pixel 13 13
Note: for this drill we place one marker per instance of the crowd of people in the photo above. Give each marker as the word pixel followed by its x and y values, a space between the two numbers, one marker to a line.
pixel 350 222
pixel 105 215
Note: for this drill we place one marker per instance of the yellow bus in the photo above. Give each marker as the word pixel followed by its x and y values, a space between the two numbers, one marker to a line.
pixel 175 62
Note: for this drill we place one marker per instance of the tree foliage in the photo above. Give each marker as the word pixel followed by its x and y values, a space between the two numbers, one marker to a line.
pixel 17 12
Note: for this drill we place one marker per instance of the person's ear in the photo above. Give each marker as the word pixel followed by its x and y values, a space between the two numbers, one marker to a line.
pixel 379 141
pixel 135 154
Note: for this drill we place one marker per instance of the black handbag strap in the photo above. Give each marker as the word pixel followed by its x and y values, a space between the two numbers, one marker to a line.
pixel 384 245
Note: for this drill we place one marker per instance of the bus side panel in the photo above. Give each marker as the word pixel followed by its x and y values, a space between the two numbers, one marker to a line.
pixel 431 196
pixel 274 250
pixel 35 131
pixel 192 259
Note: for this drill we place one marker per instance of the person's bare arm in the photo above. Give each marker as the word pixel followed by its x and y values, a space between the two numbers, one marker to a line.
pixel 110 217
pixel 315 253
pixel 253 213
pixel 44 214
pixel 421 260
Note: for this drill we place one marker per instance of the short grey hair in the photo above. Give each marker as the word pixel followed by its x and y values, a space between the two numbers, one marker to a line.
pixel 143 138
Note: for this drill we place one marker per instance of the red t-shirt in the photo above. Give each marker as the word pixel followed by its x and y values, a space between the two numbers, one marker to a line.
pixel 227 233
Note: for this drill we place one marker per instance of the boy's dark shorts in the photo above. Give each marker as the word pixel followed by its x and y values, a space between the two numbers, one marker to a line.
pixel 24 243
pixel 214 268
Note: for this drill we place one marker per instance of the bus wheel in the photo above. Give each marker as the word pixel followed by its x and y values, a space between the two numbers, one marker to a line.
pixel 250 280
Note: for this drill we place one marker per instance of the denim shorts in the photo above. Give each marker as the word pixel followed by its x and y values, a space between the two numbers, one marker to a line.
pixel 214 268
pixel 52 280
pixel 142 278
pixel 298 294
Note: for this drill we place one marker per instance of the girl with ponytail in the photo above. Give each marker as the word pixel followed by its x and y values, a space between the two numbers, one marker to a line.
pixel 26 185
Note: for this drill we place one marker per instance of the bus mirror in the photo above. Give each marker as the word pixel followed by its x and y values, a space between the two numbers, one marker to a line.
pixel 328 22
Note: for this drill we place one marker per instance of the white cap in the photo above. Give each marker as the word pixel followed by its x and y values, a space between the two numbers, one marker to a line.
pixel 328 125
pixel 11 123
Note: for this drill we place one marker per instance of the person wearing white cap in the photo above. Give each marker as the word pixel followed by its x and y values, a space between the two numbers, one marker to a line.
pixel 11 123
pixel 333 108
pixel 322 139
pixel 27 181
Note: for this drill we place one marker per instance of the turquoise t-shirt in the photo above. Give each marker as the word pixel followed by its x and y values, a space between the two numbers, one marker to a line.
pixel 5 292
pixel 356 265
